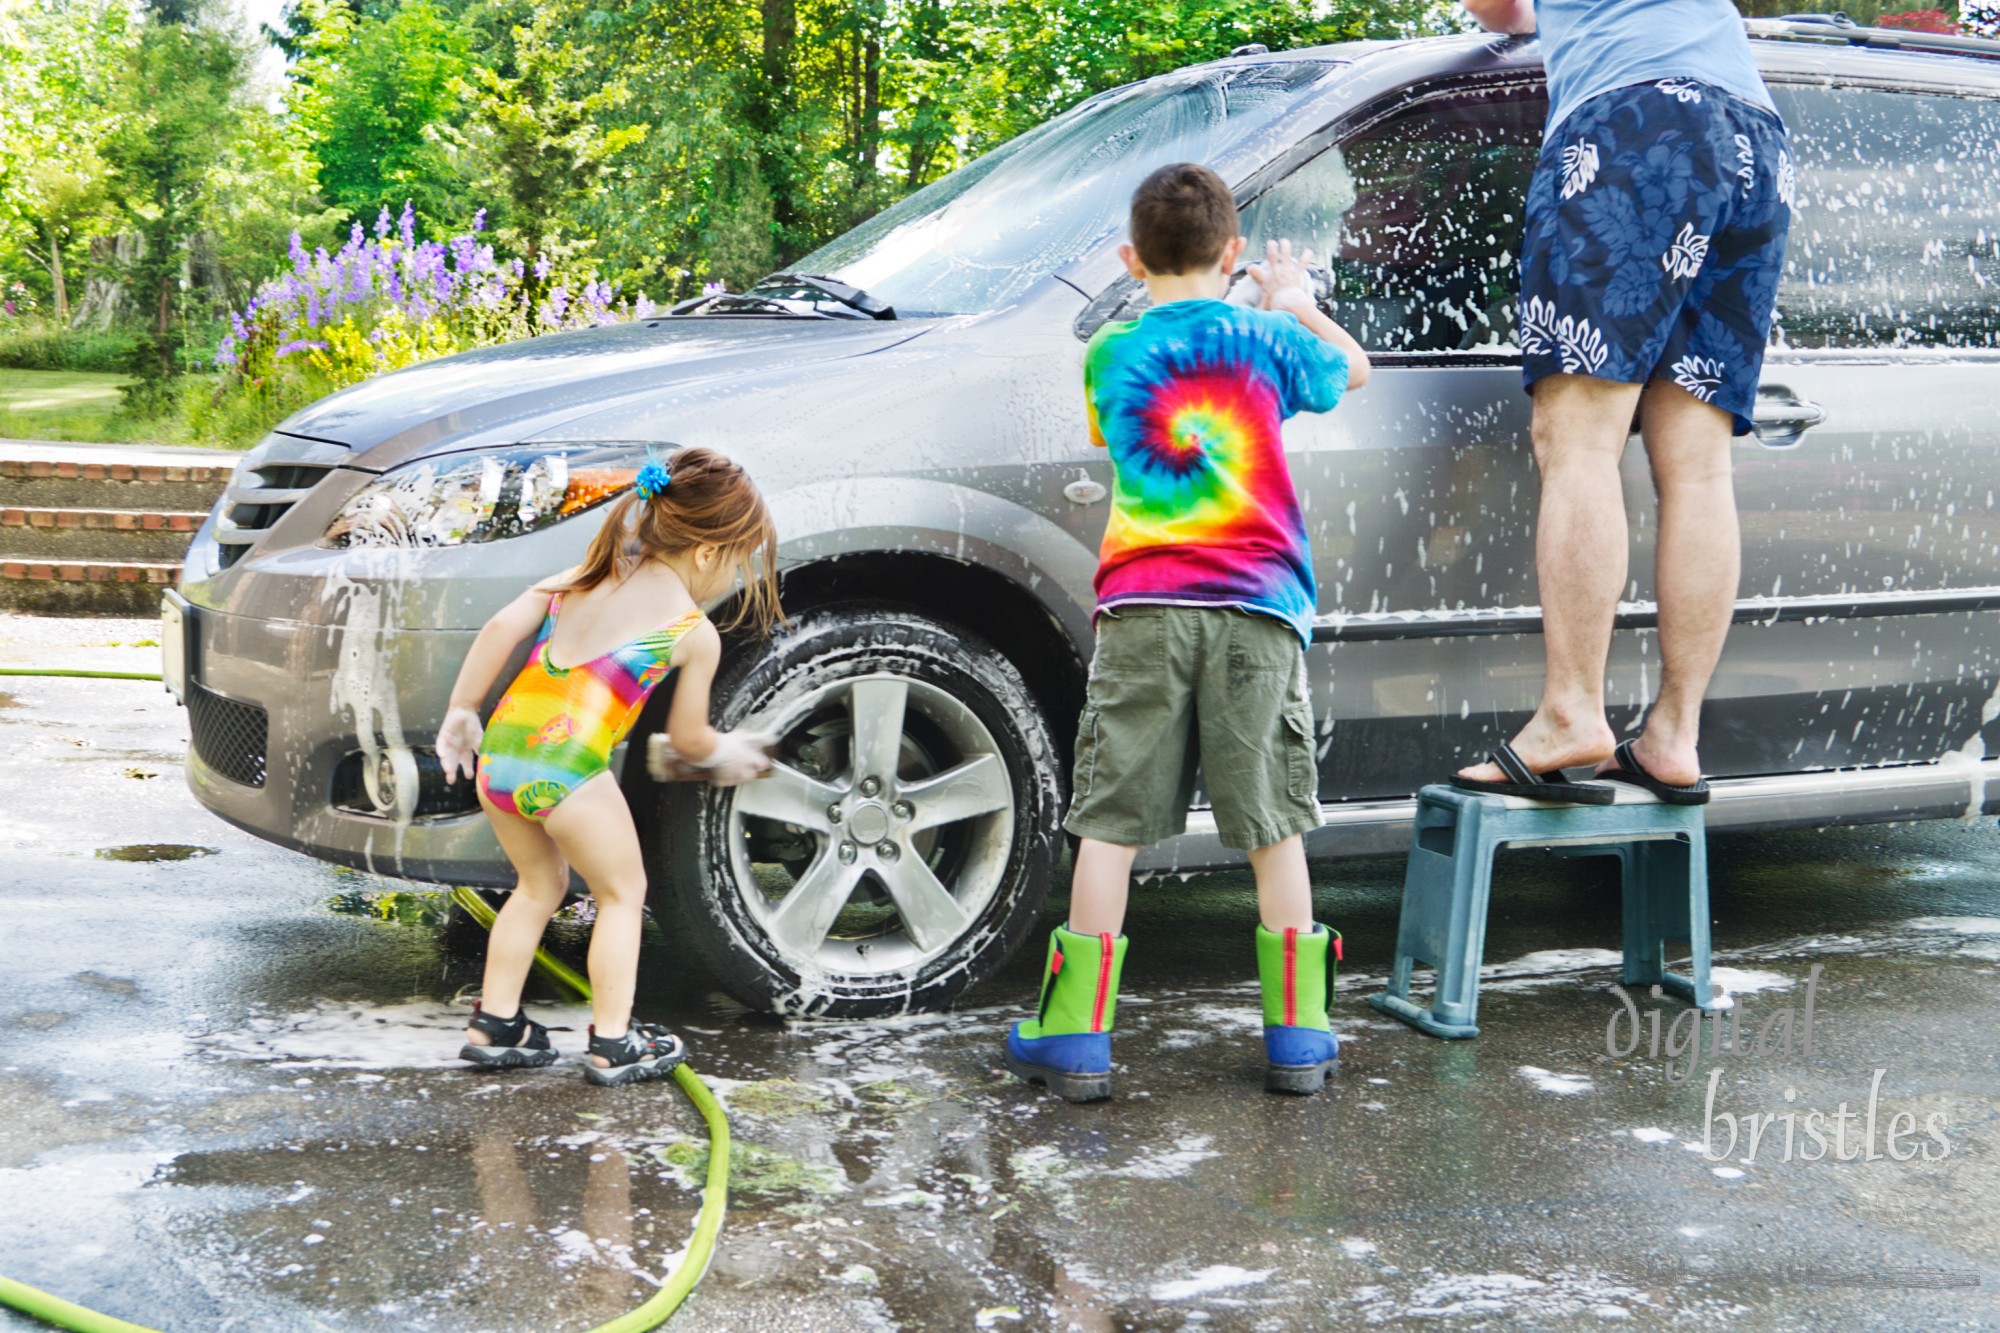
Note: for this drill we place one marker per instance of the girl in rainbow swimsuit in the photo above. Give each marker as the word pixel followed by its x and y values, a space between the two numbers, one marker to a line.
pixel 605 634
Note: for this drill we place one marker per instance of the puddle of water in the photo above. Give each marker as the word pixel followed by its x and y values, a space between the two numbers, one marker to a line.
pixel 154 851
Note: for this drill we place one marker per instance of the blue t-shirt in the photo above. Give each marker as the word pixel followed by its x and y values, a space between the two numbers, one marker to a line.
pixel 1592 46
pixel 1189 398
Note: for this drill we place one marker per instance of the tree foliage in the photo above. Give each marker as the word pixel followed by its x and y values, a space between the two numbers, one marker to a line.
pixel 371 99
pixel 680 141
pixel 61 97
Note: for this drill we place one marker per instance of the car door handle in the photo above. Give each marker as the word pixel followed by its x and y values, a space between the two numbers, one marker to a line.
pixel 1782 417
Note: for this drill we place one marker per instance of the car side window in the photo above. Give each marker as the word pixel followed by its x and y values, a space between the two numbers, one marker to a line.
pixel 1419 219
pixel 1895 237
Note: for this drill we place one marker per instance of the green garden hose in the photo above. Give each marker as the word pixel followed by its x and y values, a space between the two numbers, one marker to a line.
pixel 707 1225
pixel 86 675
pixel 55 1310
pixel 715 1197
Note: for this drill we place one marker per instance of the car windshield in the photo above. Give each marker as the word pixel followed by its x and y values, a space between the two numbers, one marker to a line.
pixel 983 235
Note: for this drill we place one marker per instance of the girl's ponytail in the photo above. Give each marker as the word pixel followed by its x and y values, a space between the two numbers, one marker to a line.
pixel 602 560
pixel 706 499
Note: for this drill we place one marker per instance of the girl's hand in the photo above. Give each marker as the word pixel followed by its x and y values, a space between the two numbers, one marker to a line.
pixel 666 764
pixel 738 757
pixel 458 743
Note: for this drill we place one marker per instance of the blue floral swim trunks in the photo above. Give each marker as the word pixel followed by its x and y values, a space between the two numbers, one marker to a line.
pixel 1656 225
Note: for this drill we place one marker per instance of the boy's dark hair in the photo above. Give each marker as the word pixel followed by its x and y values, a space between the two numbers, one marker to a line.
pixel 1182 216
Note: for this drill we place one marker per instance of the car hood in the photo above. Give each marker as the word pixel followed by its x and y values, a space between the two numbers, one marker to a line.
pixel 540 381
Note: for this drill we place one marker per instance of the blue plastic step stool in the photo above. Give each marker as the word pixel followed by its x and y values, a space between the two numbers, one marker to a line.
pixel 1661 848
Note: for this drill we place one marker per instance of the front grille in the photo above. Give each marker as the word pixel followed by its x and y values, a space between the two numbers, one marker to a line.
pixel 257 498
pixel 230 737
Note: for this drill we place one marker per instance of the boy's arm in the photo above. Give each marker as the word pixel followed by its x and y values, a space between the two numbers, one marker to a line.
pixel 1326 328
pixel 1509 16
pixel 1288 287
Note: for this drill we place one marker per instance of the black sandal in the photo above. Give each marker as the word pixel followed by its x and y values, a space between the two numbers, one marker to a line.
pixel 1630 770
pixel 646 1051
pixel 1524 782
pixel 518 1042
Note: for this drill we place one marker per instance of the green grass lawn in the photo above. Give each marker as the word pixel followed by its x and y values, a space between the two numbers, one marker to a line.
pixel 74 405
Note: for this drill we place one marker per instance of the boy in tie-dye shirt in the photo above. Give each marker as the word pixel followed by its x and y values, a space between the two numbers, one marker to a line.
pixel 1205 601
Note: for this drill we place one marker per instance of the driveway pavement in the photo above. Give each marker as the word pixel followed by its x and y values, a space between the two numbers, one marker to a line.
pixel 228 1101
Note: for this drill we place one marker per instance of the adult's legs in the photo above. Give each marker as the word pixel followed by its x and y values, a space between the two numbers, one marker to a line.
pixel 1580 428
pixel 1699 560
pixel 543 879
pixel 593 827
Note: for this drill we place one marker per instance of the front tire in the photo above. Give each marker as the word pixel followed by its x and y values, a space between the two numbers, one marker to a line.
pixel 903 846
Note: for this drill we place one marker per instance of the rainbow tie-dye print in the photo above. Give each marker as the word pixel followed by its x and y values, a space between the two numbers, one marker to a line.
pixel 556 726
pixel 1189 399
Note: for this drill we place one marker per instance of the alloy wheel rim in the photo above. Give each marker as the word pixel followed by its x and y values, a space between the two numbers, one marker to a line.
pixel 922 789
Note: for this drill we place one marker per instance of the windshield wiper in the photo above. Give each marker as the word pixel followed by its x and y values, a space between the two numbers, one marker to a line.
pixel 798 295
pixel 808 286
pixel 744 303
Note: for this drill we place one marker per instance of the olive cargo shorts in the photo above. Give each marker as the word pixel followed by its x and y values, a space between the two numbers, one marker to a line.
pixel 1173 686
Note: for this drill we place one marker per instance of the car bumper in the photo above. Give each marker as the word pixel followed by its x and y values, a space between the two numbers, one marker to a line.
pixel 317 687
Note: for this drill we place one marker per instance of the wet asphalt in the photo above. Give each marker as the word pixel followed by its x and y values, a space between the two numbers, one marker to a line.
pixel 228 1101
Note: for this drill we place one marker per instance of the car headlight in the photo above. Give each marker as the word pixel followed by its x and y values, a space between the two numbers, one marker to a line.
pixel 481 498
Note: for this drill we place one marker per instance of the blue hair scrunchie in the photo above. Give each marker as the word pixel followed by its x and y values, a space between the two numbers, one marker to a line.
pixel 653 478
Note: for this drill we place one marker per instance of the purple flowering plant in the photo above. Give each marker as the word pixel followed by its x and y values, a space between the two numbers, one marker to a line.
pixel 388 300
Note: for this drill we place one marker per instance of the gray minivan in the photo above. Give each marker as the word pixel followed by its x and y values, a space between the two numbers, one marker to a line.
pixel 909 400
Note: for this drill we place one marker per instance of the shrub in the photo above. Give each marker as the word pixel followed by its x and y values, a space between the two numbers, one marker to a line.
pixel 384 302
pixel 49 348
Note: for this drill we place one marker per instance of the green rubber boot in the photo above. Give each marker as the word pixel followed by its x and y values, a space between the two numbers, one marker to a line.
pixel 1067 1045
pixel 1299 1045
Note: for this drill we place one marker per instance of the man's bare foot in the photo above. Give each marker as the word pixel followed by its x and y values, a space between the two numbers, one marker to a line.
pixel 1674 763
pixel 1546 745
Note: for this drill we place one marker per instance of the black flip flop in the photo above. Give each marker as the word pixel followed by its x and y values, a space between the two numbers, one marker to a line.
pixel 1525 782
pixel 1631 771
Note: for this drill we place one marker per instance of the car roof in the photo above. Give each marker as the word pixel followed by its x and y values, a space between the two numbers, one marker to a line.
pixel 1817 36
